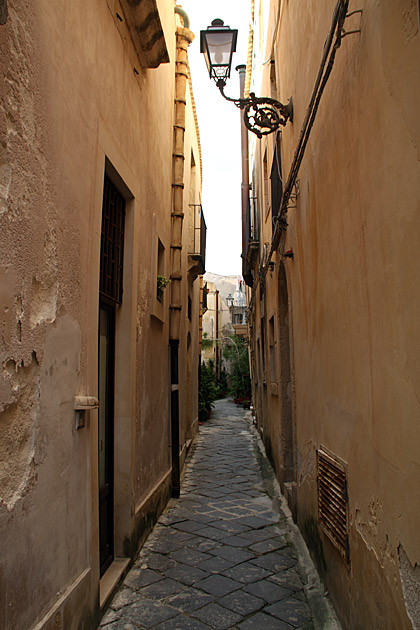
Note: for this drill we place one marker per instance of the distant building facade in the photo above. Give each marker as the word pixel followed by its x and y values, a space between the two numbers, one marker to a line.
pixel 332 261
pixel 237 308
pixel 100 177
pixel 225 315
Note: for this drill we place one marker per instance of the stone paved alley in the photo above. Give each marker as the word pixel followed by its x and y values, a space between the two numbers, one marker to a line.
pixel 226 554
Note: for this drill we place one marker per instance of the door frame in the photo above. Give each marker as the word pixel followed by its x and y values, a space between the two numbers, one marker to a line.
pixel 111 161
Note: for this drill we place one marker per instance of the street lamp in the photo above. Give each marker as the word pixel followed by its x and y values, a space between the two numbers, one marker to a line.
pixel 263 115
pixel 229 301
pixel 218 43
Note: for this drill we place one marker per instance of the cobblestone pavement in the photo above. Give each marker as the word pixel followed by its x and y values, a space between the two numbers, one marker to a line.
pixel 226 554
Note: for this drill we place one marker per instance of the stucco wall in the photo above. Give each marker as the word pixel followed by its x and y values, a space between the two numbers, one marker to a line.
pixel 355 295
pixel 75 101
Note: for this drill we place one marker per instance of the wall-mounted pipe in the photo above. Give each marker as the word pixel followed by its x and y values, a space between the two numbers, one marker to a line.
pixel 331 46
pixel 184 37
pixel 246 273
pixel 184 16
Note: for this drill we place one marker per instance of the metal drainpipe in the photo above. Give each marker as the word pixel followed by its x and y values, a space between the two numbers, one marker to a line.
pixel 184 37
pixel 200 318
pixel 200 338
pixel 217 338
pixel 184 16
pixel 245 181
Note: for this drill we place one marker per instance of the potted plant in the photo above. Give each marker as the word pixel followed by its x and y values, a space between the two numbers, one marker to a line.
pixel 161 284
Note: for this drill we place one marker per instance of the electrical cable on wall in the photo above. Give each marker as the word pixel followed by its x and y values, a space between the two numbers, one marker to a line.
pixel 326 65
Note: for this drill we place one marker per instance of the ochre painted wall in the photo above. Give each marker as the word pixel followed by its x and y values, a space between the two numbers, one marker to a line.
pixel 354 295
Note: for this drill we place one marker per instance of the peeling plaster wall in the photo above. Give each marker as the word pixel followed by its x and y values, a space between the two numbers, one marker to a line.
pixel 410 578
pixel 69 100
pixel 42 478
pixel 355 295
pixel 29 282
pixel 18 430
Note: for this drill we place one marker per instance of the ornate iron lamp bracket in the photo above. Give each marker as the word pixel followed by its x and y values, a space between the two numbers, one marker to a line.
pixel 262 115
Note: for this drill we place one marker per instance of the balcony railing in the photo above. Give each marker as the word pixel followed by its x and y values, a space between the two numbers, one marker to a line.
pixel 204 302
pixel 197 253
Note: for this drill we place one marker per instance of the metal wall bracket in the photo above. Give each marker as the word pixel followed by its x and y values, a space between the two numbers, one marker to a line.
pixel 344 33
pixel 288 254
pixel 262 115
pixel 82 404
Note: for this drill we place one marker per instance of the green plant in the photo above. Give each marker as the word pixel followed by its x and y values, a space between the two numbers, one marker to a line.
pixel 236 351
pixel 206 342
pixel 207 392
pixel 222 384
pixel 162 282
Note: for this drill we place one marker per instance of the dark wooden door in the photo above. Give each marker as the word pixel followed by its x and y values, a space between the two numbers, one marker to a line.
pixel 106 435
pixel 110 298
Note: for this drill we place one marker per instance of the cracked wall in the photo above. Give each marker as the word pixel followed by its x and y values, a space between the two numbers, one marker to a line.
pixel 28 274
pixel 70 107
pixel 43 459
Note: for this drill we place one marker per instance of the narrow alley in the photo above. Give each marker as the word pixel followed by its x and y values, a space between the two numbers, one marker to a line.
pixel 201 200
pixel 227 553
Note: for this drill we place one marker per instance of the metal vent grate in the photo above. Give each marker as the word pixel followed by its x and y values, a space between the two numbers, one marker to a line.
pixel 333 501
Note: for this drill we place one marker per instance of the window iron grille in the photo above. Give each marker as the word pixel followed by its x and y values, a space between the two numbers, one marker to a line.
pixel 200 232
pixel 197 248
pixel 112 243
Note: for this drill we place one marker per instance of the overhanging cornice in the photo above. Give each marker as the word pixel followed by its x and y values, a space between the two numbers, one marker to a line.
pixel 146 30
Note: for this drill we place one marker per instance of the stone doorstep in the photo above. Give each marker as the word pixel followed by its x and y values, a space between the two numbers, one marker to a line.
pixel 111 579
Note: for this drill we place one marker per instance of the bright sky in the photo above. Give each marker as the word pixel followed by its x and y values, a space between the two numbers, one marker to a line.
pixel 219 123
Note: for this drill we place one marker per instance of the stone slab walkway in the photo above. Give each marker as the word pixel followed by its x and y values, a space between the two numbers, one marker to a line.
pixel 226 554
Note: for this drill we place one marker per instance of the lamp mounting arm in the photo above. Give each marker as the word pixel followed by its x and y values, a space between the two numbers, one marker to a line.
pixel 262 115
pixel 239 102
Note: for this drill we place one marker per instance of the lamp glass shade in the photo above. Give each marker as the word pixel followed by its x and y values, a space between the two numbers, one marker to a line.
pixel 218 43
